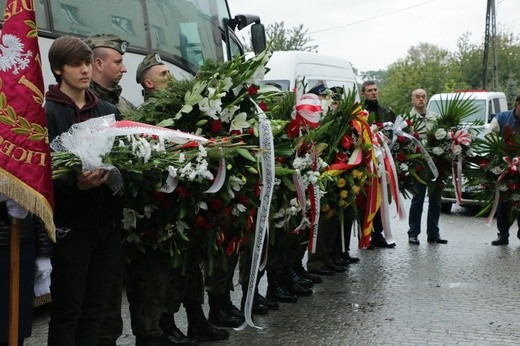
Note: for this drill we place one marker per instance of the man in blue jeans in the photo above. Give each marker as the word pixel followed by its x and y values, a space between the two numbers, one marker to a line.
pixel 419 101
pixel 509 118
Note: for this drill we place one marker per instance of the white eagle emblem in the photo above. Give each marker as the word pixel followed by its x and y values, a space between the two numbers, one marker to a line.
pixel 12 55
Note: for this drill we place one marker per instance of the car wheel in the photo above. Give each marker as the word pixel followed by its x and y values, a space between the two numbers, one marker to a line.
pixel 446 207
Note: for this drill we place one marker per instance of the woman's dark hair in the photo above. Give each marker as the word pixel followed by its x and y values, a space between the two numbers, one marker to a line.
pixel 68 50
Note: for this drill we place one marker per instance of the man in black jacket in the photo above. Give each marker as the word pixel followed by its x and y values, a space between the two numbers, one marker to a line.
pixel 369 91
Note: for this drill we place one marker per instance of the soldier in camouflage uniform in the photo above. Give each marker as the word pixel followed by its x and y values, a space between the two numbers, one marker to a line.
pixel 155 288
pixel 108 69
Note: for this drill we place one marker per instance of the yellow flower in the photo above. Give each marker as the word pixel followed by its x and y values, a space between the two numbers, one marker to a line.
pixel 357 174
pixel 325 208
pixel 342 203
pixel 355 189
pixel 343 194
pixel 341 182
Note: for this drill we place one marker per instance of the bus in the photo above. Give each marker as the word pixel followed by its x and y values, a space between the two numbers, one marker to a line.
pixel 184 32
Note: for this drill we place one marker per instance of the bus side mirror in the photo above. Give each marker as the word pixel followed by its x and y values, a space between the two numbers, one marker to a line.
pixel 258 39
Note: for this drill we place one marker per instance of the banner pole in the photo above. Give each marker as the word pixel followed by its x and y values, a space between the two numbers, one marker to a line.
pixel 14 281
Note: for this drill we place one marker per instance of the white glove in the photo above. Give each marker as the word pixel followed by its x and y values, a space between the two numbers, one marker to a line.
pixel 42 276
pixel 16 210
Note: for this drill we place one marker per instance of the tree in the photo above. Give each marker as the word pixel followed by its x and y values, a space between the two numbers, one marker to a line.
pixel 425 66
pixel 281 38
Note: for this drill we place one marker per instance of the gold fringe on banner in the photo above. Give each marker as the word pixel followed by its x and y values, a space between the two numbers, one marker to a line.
pixel 28 198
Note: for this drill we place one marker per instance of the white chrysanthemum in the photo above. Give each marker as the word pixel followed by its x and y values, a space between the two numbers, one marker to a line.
pixel 438 151
pixel 440 134
pixel 203 205
pixel 404 167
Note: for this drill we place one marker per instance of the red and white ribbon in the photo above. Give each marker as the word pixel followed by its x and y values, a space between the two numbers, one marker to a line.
pixel 513 167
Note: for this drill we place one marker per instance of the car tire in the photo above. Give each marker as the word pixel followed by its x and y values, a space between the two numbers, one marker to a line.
pixel 446 207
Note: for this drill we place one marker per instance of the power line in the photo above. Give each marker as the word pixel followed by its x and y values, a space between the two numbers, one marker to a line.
pixel 372 18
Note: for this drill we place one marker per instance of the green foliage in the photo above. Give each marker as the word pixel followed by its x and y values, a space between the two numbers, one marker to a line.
pixel 282 38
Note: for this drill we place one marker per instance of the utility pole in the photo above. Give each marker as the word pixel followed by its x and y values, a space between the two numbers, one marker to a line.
pixel 490 36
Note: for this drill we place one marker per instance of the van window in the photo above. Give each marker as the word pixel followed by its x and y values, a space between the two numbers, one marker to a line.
pixel 496 102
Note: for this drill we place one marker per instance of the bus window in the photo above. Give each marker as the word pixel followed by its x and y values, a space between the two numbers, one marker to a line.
pixel 123 18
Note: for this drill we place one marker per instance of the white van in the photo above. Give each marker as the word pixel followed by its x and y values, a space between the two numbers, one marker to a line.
pixel 289 68
pixel 488 104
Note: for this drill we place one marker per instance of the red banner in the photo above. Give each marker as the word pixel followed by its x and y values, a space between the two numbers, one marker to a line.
pixel 25 162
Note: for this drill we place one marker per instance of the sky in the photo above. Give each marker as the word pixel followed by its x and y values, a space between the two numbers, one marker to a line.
pixel 376 33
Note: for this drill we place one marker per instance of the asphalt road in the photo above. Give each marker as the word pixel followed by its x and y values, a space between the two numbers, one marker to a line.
pixel 463 293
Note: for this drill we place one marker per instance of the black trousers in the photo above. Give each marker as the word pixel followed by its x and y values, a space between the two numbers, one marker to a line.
pixel 84 266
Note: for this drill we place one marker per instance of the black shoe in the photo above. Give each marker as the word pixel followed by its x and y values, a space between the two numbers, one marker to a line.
pixel 268 302
pixel 172 335
pixel 277 292
pixel 414 241
pixel 340 262
pixel 297 290
pixel 300 280
pixel 335 268
pixel 321 271
pixel 147 341
pixel 224 318
pixel 176 337
pixel 351 259
pixel 501 240
pixel 205 331
pixel 437 240
pixel 305 274
pixel 379 241
pixel 259 307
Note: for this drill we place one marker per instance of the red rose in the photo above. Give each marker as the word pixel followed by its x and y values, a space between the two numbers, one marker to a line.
pixel 341 157
pixel 236 132
pixel 252 90
pixel 402 139
pixel 416 135
pixel 215 126
pixel 279 159
pixel 251 131
pixel 243 199
pixel 417 150
pixel 233 246
pixel 483 163
pixel 401 157
pixel 379 124
pixel 216 204
pixel 228 211
pixel 201 222
pixel 262 105
pixel 182 192
pixel 409 122
pixel 347 142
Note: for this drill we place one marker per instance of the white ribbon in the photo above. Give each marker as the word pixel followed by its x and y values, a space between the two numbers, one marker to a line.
pixel 381 172
pixel 300 193
pixel 262 217
pixel 397 130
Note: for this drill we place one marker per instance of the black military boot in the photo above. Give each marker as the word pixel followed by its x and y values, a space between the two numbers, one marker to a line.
pixel 199 327
pixel 299 279
pixel 171 334
pixel 293 287
pixel 221 314
pixel 303 273
pixel 277 292
pixel 258 308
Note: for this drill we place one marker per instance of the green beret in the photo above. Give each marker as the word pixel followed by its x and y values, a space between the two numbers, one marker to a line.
pixel 150 60
pixel 108 41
